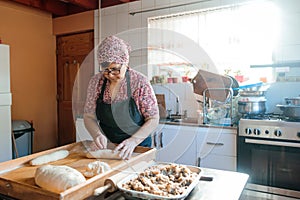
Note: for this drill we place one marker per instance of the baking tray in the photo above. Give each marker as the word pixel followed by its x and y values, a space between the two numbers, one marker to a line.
pixel 144 195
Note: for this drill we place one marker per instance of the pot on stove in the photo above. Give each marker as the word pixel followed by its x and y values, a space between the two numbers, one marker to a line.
pixel 252 102
pixel 252 107
pixel 291 109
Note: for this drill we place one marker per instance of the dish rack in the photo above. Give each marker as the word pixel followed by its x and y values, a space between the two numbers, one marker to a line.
pixel 225 118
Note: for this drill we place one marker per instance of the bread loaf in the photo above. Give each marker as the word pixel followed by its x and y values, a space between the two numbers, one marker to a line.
pixel 57 178
pixel 57 155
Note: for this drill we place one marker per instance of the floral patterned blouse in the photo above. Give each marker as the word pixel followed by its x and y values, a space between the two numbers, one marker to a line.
pixel 141 89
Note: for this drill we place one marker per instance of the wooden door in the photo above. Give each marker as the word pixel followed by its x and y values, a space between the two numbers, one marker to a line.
pixel 71 52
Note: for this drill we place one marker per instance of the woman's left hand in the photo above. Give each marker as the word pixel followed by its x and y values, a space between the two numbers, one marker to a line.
pixel 126 148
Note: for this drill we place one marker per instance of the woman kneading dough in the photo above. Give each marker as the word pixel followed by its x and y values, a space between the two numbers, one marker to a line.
pixel 121 105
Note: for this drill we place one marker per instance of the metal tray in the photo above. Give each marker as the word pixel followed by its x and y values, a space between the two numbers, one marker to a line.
pixel 144 195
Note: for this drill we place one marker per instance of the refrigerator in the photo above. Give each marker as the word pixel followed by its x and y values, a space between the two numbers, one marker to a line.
pixel 5 105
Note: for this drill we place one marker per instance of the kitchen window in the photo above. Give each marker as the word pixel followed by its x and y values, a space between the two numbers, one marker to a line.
pixel 234 37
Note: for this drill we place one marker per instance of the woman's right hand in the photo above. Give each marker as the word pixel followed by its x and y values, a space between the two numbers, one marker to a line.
pixel 101 141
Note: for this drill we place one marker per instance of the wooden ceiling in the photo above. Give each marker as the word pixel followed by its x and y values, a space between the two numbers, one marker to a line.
pixel 60 8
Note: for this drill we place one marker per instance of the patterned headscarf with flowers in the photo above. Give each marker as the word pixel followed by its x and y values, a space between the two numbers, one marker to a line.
pixel 114 49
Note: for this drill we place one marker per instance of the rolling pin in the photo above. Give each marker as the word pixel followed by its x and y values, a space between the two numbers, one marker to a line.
pixel 110 184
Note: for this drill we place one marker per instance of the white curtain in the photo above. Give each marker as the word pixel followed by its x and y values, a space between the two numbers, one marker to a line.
pixel 234 37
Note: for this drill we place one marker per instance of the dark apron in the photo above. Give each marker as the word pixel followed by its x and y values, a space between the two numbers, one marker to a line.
pixel 120 120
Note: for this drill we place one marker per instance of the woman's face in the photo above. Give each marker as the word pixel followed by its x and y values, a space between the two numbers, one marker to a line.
pixel 115 72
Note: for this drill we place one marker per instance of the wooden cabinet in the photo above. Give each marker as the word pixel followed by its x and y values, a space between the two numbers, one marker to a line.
pixel 210 147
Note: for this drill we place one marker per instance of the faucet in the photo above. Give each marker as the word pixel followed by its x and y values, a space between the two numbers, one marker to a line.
pixel 185 114
pixel 169 113
pixel 177 105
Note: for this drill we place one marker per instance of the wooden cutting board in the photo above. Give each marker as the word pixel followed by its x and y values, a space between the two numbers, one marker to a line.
pixel 17 176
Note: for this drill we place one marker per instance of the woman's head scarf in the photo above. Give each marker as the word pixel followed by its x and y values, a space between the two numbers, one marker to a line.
pixel 114 49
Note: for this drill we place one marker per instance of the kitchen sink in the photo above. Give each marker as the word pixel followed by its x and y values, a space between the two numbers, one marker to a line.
pixel 189 120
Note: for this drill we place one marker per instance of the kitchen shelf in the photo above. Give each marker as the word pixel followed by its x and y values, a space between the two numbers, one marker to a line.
pixel 281 64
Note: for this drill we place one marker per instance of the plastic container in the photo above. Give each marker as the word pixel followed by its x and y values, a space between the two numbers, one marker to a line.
pixel 22 138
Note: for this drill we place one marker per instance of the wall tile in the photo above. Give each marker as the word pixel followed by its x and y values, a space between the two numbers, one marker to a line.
pixel 135 6
pixel 163 3
pixel 135 21
pixel 135 40
pixel 122 8
pixel 122 22
pixel 147 4
pixel 108 25
pixel 109 10
pixel 96 25
pixel 135 62
pixel 177 9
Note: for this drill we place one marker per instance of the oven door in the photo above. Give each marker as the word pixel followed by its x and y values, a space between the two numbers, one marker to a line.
pixel 274 163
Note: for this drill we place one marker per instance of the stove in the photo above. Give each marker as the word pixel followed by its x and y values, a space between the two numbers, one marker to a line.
pixel 270 129
pixel 268 149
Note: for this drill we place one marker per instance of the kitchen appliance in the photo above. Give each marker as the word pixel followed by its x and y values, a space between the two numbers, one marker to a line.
pixel 268 149
pixel 5 105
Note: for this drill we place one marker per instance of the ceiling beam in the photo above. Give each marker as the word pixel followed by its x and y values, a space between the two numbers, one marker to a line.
pixel 55 7
pixel 89 4
pixel 107 3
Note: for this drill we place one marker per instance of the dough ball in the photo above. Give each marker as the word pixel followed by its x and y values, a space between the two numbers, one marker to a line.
pixel 95 168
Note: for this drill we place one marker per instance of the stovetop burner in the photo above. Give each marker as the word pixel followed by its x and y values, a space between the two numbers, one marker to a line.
pixel 269 116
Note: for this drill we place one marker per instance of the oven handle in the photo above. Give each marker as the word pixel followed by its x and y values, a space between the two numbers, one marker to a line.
pixel 267 142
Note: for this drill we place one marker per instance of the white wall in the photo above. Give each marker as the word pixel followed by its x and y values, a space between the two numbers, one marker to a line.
pixel 289 43
pixel 181 91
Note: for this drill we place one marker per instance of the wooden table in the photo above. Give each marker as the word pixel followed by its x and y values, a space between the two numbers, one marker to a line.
pixel 17 175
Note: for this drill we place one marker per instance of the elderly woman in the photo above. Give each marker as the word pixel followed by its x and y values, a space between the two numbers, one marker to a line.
pixel 121 105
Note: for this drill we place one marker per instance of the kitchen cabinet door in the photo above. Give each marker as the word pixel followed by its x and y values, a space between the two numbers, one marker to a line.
pixel 177 144
pixel 216 148
pixel 219 162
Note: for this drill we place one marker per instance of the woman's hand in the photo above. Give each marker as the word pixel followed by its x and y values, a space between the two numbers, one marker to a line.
pixel 126 148
pixel 101 141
